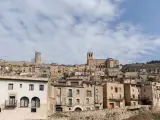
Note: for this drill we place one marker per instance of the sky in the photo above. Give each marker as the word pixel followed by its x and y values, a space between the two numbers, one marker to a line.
pixel 65 30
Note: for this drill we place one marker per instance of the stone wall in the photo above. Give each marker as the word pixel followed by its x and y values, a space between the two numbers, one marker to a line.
pixel 114 114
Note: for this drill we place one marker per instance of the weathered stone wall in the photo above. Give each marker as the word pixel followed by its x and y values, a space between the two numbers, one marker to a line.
pixel 114 114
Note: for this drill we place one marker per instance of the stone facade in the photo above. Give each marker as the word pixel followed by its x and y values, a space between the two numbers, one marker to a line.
pixel 113 95
pixel 132 94
pixel 151 93
pixel 76 94
pixel 101 63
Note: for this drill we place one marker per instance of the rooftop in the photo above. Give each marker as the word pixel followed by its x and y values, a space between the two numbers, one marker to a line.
pixel 23 78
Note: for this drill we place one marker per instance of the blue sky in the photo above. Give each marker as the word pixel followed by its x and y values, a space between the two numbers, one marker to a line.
pixel 65 30
pixel 143 12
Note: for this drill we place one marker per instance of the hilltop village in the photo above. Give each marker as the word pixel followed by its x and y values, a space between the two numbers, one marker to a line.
pixel 34 90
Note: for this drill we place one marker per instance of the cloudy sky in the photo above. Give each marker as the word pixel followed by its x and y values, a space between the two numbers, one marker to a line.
pixel 65 30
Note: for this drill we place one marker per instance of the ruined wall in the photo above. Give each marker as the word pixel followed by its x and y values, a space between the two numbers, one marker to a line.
pixel 113 114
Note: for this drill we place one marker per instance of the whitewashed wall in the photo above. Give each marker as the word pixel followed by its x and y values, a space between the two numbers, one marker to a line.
pixel 23 113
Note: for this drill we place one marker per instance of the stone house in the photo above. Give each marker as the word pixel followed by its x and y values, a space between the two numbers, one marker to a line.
pixel 113 95
pixel 150 93
pixel 132 94
pixel 78 95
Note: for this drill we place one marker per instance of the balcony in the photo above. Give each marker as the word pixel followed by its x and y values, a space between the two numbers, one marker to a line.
pixel 9 103
pixel 116 99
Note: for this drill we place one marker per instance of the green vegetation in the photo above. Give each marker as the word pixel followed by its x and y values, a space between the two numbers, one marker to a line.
pixel 154 62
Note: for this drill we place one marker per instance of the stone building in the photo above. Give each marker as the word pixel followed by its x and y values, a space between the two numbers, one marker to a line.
pixel 132 94
pixel 113 95
pixel 113 72
pixel 101 64
pixel 150 93
pixel 142 68
pixel 78 95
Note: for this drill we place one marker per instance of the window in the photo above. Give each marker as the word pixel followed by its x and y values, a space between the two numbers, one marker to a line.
pixel 70 101
pixel 70 93
pixel 96 90
pixel 116 89
pixel 120 89
pixel 33 109
pixel 78 101
pixel 133 90
pixel 20 85
pixel 78 92
pixel 24 101
pixel 144 90
pixel 89 93
pixel 87 100
pixel 35 102
pixel 30 70
pixel 10 86
pixel 58 91
pixel 41 87
pixel 133 96
pixel 111 88
pixel 120 96
pixel 31 87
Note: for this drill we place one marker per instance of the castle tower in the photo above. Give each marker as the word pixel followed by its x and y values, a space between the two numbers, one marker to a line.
pixel 37 57
pixel 89 56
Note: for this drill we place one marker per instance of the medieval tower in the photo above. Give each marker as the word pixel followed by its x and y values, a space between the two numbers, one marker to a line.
pixel 37 57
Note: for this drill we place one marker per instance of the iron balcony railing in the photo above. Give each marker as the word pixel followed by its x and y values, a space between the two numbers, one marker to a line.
pixel 9 103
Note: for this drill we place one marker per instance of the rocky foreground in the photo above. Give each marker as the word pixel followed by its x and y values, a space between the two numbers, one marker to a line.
pixel 142 113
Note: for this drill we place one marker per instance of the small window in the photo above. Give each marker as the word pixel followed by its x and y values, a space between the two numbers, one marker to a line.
pixel 41 87
pixel 133 96
pixel 78 92
pixel 111 88
pixel 133 90
pixel 20 85
pixel 33 109
pixel 78 101
pixel 10 86
pixel 96 90
pixel 31 87
pixel 144 90
pixel 87 100
pixel 116 89
pixel 120 89
pixel 89 93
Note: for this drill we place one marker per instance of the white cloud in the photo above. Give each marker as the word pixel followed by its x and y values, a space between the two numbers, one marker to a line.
pixel 64 30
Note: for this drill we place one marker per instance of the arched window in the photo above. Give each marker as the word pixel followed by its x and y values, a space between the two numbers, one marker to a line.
pixel 24 101
pixel 35 102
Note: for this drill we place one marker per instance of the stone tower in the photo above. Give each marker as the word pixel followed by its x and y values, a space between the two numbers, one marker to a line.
pixel 89 56
pixel 37 57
